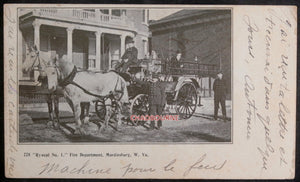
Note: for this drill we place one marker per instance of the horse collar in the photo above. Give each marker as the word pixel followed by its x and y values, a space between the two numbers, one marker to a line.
pixel 69 79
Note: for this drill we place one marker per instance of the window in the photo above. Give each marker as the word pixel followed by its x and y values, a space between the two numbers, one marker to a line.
pixel 145 16
pixel 104 11
pixel 92 63
pixel 116 12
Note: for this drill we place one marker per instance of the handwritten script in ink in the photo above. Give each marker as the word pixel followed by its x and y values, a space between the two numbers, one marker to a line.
pixel 274 91
pixel 11 107
pixel 87 168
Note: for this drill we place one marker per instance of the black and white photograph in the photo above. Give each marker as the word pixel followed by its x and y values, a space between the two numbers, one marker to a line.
pixel 131 75
pixel 150 91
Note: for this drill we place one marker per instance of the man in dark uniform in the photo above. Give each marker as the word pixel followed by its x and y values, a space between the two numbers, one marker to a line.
pixel 128 58
pixel 175 63
pixel 219 88
pixel 157 101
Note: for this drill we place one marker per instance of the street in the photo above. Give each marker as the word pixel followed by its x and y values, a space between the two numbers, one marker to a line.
pixel 199 128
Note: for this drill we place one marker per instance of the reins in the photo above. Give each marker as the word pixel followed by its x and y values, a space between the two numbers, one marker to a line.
pixel 70 80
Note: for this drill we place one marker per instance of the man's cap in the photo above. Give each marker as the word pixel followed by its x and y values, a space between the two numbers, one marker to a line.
pixel 178 51
pixel 220 72
pixel 131 41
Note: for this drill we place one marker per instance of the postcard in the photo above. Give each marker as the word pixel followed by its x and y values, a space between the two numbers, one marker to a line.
pixel 150 91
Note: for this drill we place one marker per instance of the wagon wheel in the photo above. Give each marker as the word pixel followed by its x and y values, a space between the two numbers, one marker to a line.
pixel 186 101
pixel 100 109
pixel 139 106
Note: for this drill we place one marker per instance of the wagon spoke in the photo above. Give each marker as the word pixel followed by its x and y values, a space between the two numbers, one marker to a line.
pixel 140 105
pixel 190 107
pixel 187 108
pixel 185 112
pixel 180 108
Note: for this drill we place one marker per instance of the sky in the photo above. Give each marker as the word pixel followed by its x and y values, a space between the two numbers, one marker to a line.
pixel 156 14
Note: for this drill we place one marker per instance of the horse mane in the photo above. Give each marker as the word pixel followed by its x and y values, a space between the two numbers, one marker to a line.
pixel 44 62
pixel 65 66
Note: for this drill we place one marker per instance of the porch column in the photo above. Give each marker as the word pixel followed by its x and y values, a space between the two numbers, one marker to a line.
pixel 36 41
pixel 122 47
pixel 70 43
pixel 109 13
pixel 97 12
pixel 123 14
pixel 209 87
pixel 36 26
pixel 98 50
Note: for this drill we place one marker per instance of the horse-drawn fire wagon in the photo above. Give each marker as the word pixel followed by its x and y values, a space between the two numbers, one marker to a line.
pixel 181 94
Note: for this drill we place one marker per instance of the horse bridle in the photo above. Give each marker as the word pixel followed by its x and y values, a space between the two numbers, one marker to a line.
pixel 37 57
pixel 58 72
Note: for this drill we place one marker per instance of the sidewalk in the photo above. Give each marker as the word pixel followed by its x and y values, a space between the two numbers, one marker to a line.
pixel 39 111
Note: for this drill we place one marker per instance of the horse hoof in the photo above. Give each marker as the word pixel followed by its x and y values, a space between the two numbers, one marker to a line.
pixel 82 131
pixel 56 125
pixel 86 120
pixel 119 122
pixel 50 124
pixel 79 131
pixel 101 129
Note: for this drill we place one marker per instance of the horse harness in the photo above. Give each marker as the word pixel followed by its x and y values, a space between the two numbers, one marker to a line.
pixel 41 77
pixel 70 80
pixel 39 65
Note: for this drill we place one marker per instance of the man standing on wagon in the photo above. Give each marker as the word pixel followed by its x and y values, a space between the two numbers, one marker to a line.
pixel 175 64
pixel 219 88
pixel 129 57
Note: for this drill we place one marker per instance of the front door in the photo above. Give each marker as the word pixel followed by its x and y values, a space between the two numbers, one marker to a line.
pixel 80 51
pixel 58 45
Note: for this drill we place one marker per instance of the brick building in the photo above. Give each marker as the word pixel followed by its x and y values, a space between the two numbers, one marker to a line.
pixel 201 34
pixel 91 38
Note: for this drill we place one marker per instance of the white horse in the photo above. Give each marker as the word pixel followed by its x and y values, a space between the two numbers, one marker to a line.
pixel 80 87
pixel 86 87
pixel 32 62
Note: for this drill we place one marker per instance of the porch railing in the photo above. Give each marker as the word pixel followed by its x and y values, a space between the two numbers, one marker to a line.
pixel 83 15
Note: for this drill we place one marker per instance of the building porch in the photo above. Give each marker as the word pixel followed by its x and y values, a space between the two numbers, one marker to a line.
pixel 89 48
